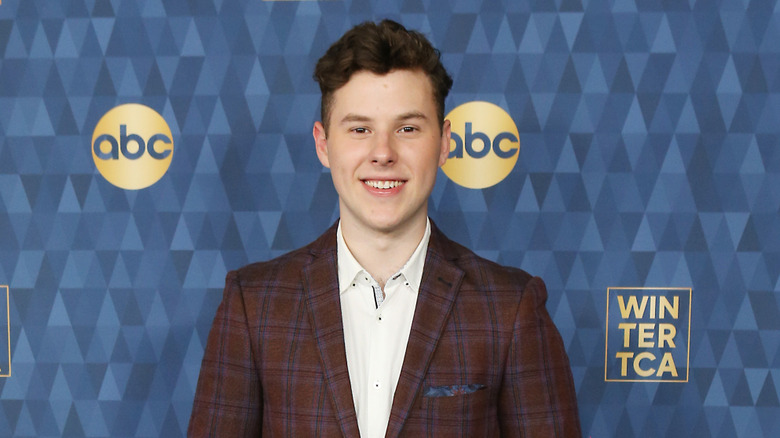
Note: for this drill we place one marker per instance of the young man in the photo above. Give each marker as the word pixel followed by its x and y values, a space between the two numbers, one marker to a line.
pixel 383 326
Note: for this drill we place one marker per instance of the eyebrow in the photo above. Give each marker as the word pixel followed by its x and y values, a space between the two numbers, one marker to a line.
pixel 411 115
pixel 352 117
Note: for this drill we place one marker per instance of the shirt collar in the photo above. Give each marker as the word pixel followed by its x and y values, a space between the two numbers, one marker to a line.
pixel 349 268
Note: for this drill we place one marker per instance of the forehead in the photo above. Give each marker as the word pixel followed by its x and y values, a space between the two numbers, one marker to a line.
pixel 396 91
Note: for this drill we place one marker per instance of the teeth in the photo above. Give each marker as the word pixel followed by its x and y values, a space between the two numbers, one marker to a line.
pixel 383 184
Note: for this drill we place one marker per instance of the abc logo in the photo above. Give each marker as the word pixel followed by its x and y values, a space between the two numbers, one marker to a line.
pixel 484 146
pixel 132 146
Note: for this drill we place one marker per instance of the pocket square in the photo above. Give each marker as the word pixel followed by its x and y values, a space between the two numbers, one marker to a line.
pixel 452 390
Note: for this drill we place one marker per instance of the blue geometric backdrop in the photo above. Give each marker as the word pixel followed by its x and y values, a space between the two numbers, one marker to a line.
pixel 650 157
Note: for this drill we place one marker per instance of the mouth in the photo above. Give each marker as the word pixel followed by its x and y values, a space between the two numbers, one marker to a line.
pixel 383 184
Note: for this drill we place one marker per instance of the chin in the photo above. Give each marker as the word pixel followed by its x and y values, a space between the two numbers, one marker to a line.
pixel 382 225
pixel 385 226
pixel 392 224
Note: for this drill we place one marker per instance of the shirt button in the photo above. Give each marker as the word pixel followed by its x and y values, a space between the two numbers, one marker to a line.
pixel 376 384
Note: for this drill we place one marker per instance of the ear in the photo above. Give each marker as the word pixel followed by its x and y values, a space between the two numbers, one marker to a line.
pixel 446 133
pixel 321 143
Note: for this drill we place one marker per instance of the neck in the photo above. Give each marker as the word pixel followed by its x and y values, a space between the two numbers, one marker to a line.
pixel 382 254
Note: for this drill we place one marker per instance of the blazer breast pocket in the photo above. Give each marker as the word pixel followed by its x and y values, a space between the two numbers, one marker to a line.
pixel 455 401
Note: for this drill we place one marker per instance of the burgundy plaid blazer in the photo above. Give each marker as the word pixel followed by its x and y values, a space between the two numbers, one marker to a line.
pixel 483 359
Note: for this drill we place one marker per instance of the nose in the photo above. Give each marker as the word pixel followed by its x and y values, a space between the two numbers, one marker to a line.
pixel 383 152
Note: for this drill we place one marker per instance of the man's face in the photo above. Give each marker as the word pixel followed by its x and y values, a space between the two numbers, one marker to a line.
pixel 383 147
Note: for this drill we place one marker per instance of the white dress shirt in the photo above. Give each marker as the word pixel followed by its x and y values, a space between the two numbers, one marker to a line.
pixel 376 331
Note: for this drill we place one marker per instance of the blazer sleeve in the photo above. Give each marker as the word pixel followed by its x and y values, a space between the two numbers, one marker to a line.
pixel 537 397
pixel 228 398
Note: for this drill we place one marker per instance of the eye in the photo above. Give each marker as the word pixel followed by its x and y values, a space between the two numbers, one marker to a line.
pixel 360 130
pixel 408 129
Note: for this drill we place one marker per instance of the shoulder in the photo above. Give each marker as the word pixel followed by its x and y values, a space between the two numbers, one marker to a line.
pixel 479 272
pixel 287 268
pixel 488 291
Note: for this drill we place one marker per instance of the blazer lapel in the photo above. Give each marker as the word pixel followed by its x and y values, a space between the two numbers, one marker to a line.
pixel 324 308
pixel 438 289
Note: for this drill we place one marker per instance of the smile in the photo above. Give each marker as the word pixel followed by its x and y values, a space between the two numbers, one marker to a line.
pixel 383 184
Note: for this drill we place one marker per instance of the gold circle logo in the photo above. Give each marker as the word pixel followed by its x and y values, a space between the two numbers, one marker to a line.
pixel 484 146
pixel 132 146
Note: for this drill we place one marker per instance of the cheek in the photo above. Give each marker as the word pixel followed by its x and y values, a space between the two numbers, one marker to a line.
pixel 427 161
pixel 341 168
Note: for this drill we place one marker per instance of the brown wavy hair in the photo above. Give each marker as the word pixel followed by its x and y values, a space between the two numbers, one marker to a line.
pixel 380 48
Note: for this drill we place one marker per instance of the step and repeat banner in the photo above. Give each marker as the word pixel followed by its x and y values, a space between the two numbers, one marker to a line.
pixel 627 151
